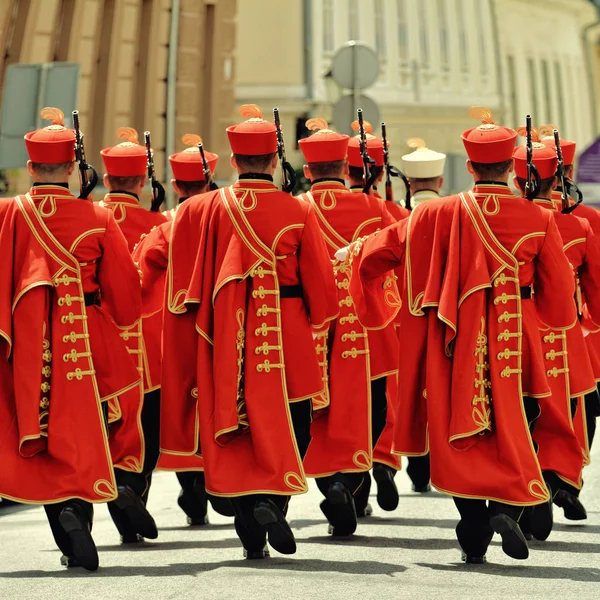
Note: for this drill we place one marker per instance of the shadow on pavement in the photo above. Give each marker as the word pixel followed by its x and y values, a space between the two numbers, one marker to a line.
pixel 178 545
pixel 383 542
pixel 559 546
pixel 360 567
pixel 209 527
pixel 438 523
pixel 530 572
pixel 576 527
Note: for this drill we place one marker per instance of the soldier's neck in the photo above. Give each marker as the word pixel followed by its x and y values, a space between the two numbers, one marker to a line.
pixel 483 182
pixel 328 180
pixel 124 192
pixel 59 183
pixel 255 176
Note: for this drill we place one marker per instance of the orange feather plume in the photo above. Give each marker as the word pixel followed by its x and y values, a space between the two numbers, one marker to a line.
pixel 252 111
pixel 415 143
pixel 368 127
pixel 191 139
pixel 316 124
pixel 547 131
pixel 55 115
pixel 522 131
pixel 481 113
pixel 128 134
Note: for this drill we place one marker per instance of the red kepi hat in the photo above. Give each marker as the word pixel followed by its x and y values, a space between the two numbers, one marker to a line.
pixel 52 145
pixel 127 159
pixel 324 145
pixel 546 133
pixel 544 157
pixel 187 165
pixel 254 136
pixel 374 146
pixel 489 143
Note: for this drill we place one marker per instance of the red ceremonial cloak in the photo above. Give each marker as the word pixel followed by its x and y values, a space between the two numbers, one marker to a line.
pixel 225 373
pixel 63 361
pixel 350 358
pixel 460 391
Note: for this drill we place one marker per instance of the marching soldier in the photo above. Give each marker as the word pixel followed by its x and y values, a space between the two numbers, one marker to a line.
pixel 152 257
pixel 592 215
pixel 249 277
pixel 341 453
pixel 126 167
pixel 472 259
pixel 573 375
pixel 70 394
pixel 424 169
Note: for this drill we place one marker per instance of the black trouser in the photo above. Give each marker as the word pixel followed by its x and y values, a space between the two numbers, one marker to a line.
pixel 85 510
pixel 592 411
pixel 419 470
pixel 61 537
pixel 250 532
pixel 140 482
pixel 473 530
pixel 188 480
pixel 359 484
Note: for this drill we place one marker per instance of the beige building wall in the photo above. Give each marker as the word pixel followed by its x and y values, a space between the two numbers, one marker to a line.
pixel 122 47
pixel 270 68
pixel 437 58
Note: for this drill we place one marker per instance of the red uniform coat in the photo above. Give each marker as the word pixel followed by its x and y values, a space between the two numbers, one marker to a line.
pixel 570 371
pixel 460 387
pixel 135 222
pixel 63 361
pixel 152 258
pixel 342 434
pixel 593 338
pixel 234 352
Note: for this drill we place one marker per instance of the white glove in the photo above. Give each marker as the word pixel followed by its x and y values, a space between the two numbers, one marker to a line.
pixel 342 254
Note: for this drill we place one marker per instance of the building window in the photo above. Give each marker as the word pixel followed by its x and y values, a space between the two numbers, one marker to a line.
pixel 380 37
pixel 328 26
pixel 481 36
pixel 443 30
pixel 547 91
pixel 535 106
pixel 353 21
pixel 559 95
pixel 463 42
pixel 512 90
pixel 402 31
pixel 423 33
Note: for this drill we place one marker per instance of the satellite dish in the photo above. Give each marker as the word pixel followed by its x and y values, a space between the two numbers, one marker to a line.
pixel 355 66
pixel 344 112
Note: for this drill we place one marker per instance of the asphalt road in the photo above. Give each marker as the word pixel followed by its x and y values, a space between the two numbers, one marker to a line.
pixel 411 553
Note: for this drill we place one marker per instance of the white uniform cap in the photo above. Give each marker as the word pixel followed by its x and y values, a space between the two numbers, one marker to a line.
pixel 423 163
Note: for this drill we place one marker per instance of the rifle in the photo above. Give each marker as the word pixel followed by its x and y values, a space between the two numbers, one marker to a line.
pixel 560 172
pixel 391 171
pixel 288 175
pixel 206 169
pixel 368 175
pixel 86 184
pixel 568 188
pixel 532 188
pixel 158 191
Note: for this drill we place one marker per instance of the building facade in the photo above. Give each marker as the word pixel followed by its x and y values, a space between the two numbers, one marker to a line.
pixel 141 61
pixel 437 58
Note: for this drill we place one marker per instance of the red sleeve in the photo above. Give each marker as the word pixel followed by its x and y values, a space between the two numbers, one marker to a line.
pixel 589 276
pixel 119 279
pixel 554 286
pixel 316 273
pixel 152 258
pixel 372 267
